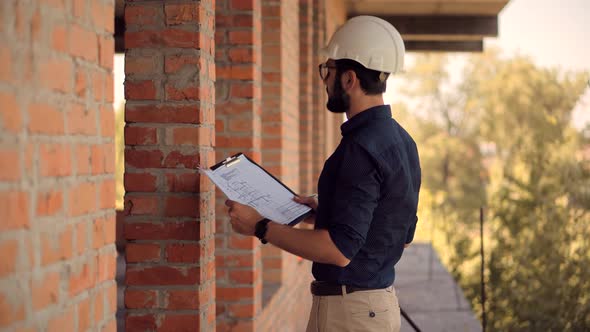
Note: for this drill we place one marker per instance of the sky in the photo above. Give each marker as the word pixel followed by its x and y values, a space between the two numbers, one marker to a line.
pixel 554 33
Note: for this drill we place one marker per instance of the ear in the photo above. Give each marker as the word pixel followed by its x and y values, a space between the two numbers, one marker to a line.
pixel 349 79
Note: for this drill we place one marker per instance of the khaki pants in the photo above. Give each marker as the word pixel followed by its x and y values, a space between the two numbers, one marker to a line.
pixel 373 310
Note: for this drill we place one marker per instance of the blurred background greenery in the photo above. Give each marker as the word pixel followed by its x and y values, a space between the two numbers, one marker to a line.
pixel 501 138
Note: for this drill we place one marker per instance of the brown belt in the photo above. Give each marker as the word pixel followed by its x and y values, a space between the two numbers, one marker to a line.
pixel 324 288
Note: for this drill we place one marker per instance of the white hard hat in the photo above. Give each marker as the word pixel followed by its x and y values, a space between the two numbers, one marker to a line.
pixel 370 41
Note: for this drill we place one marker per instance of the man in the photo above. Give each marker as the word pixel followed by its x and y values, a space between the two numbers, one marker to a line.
pixel 368 189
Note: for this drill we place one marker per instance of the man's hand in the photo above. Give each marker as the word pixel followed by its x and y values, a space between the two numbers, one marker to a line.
pixel 243 218
pixel 311 201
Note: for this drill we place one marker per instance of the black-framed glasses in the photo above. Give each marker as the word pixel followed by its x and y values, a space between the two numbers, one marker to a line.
pixel 324 70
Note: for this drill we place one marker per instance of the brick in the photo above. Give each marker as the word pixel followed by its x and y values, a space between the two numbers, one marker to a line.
pixel 98 301
pixel 15 210
pixel 182 299
pixel 176 38
pixel 178 91
pixel 140 299
pixel 161 276
pixel 183 253
pixel 6 64
pixel 82 199
pixel 10 166
pixel 165 114
pixel 103 232
pixel 56 74
pixel 142 182
pixel 83 43
pixel 142 252
pixel 242 276
pixel 143 158
pixel 142 65
pixel 106 51
pixel 188 182
pixel 10 251
pixel 140 90
pixel 189 136
pixel 184 13
pixel 109 95
pixel 242 37
pixel 81 82
pixel 107 121
pixel 11 307
pixel 188 230
pixel 140 322
pixel 10 113
pixel 81 279
pixel 174 63
pixel 107 265
pixel 111 300
pixel 79 8
pixel 49 203
pixel 234 293
pixel 140 135
pixel 81 120
pixel 45 119
pixel 107 194
pixel 141 15
pixel 237 241
pixel 98 84
pixel 56 246
pixel 182 206
pixel 83 311
pixel 83 160
pixel 54 160
pixel 45 290
pixel 234 72
pixel 180 322
pixel 62 322
pixel 141 205
pixel 59 39
pixel 175 159
pixel 81 237
pixel 103 159
pixel 244 90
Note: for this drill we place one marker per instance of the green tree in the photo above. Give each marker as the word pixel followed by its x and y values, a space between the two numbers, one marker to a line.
pixel 539 278
pixel 502 137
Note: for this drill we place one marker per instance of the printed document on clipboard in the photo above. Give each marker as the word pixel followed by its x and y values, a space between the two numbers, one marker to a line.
pixel 244 181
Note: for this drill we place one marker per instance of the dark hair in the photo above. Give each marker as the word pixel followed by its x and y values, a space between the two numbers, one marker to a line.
pixel 369 78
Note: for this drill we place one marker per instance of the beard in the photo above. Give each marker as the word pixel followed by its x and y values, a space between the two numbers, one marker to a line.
pixel 339 102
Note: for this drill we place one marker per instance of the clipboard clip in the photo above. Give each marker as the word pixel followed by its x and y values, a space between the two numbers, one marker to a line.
pixel 230 161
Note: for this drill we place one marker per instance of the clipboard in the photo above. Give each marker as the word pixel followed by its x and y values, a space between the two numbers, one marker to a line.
pixel 241 179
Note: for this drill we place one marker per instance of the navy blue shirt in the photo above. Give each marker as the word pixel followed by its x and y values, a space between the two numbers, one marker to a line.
pixel 368 197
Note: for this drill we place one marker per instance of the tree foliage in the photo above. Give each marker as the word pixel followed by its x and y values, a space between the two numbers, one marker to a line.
pixel 502 138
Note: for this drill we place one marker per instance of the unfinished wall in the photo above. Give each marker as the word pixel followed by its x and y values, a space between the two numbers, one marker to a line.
pixel 56 166
pixel 169 208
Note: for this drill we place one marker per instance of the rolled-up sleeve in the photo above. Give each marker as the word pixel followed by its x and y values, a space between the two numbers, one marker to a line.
pixel 355 197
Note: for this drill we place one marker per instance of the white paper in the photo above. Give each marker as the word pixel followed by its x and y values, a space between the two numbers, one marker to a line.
pixel 246 183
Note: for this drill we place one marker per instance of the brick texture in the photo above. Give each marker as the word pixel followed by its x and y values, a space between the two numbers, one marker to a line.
pixel 238 129
pixel 56 196
pixel 169 209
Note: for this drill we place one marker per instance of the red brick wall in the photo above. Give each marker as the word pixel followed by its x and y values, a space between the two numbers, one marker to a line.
pixel 169 222
pixel 56 166
pixel 237 116
pixel 307 65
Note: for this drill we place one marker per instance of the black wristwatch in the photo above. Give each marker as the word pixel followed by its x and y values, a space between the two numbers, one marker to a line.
pixel 260 229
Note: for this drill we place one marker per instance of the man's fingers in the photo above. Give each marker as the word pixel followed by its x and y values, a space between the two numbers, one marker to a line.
pixel 229 203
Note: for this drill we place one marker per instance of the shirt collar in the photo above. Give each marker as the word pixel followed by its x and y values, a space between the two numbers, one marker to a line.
pixel 362 118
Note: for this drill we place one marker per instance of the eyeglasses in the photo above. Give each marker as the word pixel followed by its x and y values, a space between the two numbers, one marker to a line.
pixel 324 70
